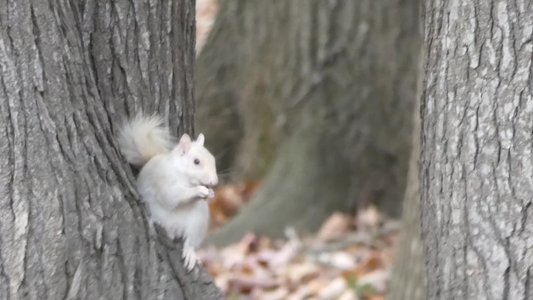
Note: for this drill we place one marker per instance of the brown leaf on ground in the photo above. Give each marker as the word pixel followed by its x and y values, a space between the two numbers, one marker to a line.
pixel 371 263
pixel 335 226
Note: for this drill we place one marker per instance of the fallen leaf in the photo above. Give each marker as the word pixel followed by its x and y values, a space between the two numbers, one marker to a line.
pixel 372 263
pixel 334 289
pixel 245 284
pixel 308 290
pixel 338 260
pixel 302 292
pixel 249 243
pixel 277 294
pixel 377 280
pixel 283 256
pixel 337 225
pixel 348 295
pixel 302 273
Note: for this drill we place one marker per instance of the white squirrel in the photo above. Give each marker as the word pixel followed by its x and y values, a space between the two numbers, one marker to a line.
pixel 175 180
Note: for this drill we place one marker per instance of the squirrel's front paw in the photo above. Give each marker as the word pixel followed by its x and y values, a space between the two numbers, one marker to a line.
pixel 189 257
pixel 205 192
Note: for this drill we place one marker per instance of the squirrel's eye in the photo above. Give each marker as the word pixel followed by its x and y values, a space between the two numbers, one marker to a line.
pixel 196 161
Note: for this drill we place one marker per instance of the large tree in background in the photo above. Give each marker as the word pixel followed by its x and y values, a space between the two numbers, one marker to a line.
pixel 477 149
pixel 72 226
pixel 320 90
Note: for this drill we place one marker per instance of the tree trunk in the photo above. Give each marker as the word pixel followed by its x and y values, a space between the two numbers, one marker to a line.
pixel 477 143
pixel 407 282
pixel 72 226
pixel 325 94
pixel 218 86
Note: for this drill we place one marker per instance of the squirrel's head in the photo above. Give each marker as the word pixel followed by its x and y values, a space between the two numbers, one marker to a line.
pixel 198 162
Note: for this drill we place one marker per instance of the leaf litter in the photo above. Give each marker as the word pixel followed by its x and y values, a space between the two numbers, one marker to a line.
pixel 350 257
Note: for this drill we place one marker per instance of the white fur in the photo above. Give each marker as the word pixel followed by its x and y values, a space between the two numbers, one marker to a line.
pixel 142 138
pixel 174 201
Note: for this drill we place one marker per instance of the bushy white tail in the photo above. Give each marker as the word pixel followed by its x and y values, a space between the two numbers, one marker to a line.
pixel 144 137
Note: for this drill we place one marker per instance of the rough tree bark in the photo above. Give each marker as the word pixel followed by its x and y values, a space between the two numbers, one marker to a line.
pixel 72 226
pixel 325 91
pixel 477 145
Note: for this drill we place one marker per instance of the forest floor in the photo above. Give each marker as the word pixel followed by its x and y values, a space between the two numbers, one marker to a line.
pixel 350 257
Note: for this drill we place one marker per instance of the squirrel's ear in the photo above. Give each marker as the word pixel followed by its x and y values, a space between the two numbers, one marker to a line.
pixel 184 144
pixel 200 139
